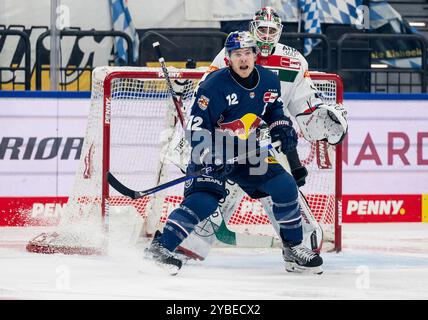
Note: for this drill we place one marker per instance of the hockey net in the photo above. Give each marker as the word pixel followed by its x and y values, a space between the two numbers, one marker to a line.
pixel 131 132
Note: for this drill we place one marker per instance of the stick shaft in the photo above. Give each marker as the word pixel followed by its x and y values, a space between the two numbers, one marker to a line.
pixel 177 103
pixel 121 188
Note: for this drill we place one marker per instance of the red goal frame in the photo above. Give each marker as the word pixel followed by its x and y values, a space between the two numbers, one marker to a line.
pixel 197 75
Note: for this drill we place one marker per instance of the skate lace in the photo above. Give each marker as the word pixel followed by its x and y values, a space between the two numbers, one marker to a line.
pixel 303 253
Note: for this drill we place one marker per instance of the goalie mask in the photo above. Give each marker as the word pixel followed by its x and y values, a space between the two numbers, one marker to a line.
pixel 266 27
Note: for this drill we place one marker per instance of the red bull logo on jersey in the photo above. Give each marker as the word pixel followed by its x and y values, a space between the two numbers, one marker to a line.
pixel 270 97
pixel 241 128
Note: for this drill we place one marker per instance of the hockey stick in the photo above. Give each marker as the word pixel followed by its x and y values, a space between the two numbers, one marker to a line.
pixel 133 194
pixel 177 102
pixel 150 224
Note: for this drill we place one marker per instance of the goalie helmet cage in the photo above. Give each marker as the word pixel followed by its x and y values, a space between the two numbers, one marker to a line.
pixel 129 132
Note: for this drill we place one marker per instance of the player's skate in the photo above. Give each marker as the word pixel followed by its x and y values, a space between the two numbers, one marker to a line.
pixel 300 259
pixel 162 256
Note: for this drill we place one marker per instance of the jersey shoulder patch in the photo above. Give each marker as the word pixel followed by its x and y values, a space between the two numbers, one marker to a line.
pixel 287 51
pixel 203 102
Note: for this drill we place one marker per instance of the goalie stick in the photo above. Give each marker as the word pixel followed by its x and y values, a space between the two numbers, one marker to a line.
pixel 151 223
pixel 177 102
pixel 133 194
pixel 316 243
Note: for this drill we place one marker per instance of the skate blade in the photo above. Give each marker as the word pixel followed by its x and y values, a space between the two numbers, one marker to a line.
pixel 294 267
pixel 148 265
pixel 182 257
pixel 170 269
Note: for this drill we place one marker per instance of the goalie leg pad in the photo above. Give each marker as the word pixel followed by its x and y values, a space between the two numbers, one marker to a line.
pixel 286 207
pixel 199 242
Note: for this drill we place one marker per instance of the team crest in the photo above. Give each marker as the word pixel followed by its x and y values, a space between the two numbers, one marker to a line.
pixel 203 102
pixel 270 97
pixel 252 95
pixel 188 183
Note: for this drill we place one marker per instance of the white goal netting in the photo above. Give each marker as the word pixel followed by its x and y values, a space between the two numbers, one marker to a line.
pixel 130 126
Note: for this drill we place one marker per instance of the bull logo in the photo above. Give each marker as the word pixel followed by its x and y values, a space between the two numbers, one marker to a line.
pixel 243 127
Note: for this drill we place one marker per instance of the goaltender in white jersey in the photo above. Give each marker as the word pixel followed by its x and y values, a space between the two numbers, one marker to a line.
pixel 316 120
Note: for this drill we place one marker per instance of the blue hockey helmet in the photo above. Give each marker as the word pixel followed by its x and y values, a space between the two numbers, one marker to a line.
pixel 239 40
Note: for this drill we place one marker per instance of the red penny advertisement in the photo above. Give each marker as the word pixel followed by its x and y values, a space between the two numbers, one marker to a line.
pixel 382 208
pixel 31 211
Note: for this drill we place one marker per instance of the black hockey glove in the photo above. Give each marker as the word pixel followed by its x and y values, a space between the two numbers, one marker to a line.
pixel 299 175
pixel 298 171
pixel 282 130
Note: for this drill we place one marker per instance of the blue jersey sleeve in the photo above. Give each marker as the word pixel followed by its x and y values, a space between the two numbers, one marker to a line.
pixel 205 113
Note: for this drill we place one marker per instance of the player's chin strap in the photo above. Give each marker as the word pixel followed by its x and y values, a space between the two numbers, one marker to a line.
pixel 324 122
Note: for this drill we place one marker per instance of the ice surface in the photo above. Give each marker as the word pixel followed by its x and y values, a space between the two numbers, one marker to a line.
pixel 379 261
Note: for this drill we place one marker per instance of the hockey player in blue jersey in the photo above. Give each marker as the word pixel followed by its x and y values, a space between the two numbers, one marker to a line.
pixel 233 102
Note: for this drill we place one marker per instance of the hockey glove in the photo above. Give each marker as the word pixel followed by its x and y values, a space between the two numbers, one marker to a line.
pixel 298 171
pixel 324 123
pixel 215 167
pixel 282 130
pixel 299 175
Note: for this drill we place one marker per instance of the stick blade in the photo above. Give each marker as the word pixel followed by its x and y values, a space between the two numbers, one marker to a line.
pixel 121 188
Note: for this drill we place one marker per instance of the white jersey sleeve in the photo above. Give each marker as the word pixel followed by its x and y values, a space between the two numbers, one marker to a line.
pixel 298 92
pixel 302 99
pixel 220 61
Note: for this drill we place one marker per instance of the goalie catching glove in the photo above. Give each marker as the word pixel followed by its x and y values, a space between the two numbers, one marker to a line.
pixel 324 123
pixel 283 131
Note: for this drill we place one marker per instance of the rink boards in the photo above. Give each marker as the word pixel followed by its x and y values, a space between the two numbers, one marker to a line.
pixel 385 158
